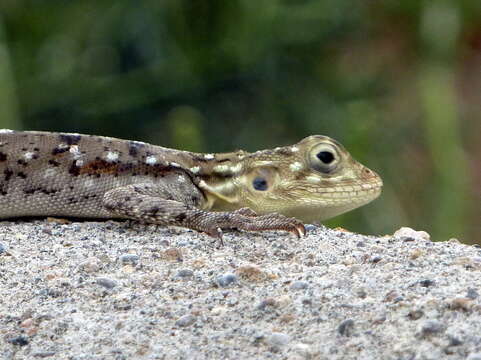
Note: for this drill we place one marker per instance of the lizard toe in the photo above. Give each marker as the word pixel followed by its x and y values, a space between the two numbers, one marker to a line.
pixel 246 212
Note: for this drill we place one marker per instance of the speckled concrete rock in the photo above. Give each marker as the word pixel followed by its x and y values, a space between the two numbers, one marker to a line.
pixel 104 290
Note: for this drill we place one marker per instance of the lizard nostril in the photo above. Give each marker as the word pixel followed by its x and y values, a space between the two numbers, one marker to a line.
pixel 367 173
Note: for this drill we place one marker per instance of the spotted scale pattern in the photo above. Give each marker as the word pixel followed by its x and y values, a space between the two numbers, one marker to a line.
pixel 74 175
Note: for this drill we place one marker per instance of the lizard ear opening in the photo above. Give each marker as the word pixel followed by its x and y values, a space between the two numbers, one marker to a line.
pixel 262 179
pixel 259 183
pixel 324 158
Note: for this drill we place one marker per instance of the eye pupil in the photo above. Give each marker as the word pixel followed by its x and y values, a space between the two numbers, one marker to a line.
pixel 326 157
pixel 260 184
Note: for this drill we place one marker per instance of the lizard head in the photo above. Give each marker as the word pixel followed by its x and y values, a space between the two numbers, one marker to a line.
pixel 313 180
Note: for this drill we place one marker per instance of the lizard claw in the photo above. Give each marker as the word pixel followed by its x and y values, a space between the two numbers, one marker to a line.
pixel 297 229
pixel 274 221
pixel 217 234
pixel 300 231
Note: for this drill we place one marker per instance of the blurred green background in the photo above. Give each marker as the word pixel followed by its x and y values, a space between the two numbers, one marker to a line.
pixel 397 82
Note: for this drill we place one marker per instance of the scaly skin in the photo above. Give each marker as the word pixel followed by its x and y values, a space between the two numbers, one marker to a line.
pixel 73 175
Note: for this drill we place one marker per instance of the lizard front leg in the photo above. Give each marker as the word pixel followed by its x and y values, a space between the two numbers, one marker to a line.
pixel 164 205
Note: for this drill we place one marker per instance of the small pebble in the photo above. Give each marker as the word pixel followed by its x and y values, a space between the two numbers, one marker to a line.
pixel 454 341
pixel 173 254
pixel 185 273
pixel 131 259
pixel 26 323
pixel 310 227
pixel 460 303
pixel 299 285
pixel 18 340
pixel 218 310
pixel 278 339
pixel 415 314
pixel 185 320
pixel 472 294
pixel 416 253
pixel 283 300
pixel 106 282
pixel 232 301
pixel 251 273
pixel 44 354
pixel 183 243
pixel 474 356
pixel 391 296
pixel 406 232
pixel 346 327
pixel 226 279
pixel 258 337
pixel 361 293
pixel 430 327
pixel 426 283
pixel 304 350
pixel 306 301
pixel 91 265
pixel 379 319
pixel 3 248
pixel 269 302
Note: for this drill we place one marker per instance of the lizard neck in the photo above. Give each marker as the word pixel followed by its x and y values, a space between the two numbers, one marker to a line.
pixel 218 174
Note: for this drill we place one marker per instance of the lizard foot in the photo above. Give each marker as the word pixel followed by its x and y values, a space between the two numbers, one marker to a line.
pixel 246 220
pixel 137 202
pixel 275 221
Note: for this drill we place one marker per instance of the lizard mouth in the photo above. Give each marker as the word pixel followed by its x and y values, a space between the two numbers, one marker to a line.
pixel 327 202
pixel 366 190
pixel 346 192
pixel 353 189
pixel 333 201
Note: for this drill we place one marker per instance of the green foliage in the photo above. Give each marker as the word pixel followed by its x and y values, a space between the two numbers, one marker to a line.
pixel 397 82
pixel 8 102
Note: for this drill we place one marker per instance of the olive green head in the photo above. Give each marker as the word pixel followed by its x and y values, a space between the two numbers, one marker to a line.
pixel 313 180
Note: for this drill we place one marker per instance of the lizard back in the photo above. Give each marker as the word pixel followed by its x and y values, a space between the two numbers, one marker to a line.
pixel 60 174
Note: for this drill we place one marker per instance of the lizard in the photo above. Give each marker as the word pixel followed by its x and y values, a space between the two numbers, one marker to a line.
pixel 88 176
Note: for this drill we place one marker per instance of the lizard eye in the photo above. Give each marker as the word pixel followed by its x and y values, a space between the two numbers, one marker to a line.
pixel 324 158
pixel 260 184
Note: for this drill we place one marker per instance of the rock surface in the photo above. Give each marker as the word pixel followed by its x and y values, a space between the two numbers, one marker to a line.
pixel 104 290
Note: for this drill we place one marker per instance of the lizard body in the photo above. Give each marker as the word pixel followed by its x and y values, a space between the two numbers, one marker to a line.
pixel 74 175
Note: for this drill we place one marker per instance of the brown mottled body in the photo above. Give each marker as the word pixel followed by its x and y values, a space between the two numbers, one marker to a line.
pixel 67 174
pixel 53 174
